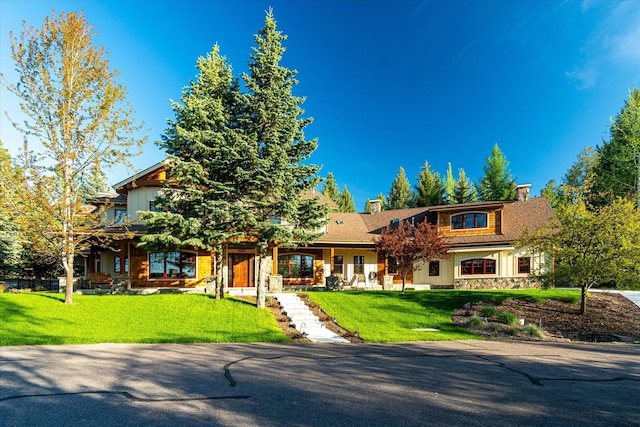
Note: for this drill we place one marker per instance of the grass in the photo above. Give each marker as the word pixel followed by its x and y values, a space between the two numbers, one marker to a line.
pixel 43 318
pixel 507 318
pixel 387 316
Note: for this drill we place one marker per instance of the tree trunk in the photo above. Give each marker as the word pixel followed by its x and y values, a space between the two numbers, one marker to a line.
pixel 219 282
pixel 263 273
pixel 402 292
pixel 67 263
pixel 583 301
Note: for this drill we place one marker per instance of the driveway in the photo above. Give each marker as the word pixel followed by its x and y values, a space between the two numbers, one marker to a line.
pixel 433 383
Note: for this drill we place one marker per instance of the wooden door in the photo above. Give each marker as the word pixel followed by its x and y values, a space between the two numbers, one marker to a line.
pixel 239 270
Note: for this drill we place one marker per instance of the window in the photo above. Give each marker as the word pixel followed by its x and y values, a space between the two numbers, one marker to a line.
pixel 524 265
pixel 393 265
pixel 478 266
pixel 434 268
pixel 358 264
pixel 120 216
pixel 274 219
pixel 116 263
pixel 295 266
pixel 153 207
pixel 469 220
pixel 167 265
pixel 338 264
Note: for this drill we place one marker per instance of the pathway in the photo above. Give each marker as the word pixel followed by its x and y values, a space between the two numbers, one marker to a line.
pixel 304 321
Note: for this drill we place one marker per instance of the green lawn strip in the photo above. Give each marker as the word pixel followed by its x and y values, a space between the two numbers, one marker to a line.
pixel 387 316
pixel 42 318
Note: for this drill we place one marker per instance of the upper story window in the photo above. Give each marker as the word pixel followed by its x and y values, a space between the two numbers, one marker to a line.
pixel 153 207
pixel 119 216
pixel 469 220
pixel 478 266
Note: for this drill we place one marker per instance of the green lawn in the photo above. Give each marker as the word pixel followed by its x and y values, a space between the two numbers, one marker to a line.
pixel 387 316
pixel 43 318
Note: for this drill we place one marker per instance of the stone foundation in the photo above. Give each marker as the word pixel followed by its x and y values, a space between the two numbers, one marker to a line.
pixel 496 283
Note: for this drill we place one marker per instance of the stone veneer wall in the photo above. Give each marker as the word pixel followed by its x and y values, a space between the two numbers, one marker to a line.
pixel 495 283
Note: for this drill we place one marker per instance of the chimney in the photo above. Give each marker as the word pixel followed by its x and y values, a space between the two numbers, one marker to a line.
pixel 375 206
pixel 523 192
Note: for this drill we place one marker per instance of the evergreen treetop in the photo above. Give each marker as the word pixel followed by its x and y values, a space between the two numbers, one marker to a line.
pixel 497 184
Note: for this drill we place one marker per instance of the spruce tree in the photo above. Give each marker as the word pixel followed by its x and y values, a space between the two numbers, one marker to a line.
pixel 345 201
pixel 331 189
pixel 450 185
pixel 400 195
pixel 210 163
pixel 465 191
pixel 367 206
pixel 497 184
pixel 274 122
pixel 429 189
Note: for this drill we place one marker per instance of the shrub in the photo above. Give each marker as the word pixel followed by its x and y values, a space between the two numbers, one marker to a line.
pixel 508 318
pixel 488 311
pixel 532 330
pixel 475 321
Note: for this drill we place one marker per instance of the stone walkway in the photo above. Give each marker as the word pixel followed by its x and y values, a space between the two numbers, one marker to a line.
pixel 304 321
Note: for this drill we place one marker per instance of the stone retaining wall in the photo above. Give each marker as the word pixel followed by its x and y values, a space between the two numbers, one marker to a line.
pixel 496 283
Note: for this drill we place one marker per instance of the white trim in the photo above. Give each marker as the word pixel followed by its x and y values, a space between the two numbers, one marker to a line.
pixel 482 249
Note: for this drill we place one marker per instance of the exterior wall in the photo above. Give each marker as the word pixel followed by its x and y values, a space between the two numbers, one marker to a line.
pixel 138 200
pixel 421 275
pixel 139 267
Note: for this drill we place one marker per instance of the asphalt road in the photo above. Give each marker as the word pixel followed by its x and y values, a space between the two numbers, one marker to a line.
pixel 470 383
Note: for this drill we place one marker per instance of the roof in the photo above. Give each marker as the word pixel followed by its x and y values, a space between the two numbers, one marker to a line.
pixel 139 175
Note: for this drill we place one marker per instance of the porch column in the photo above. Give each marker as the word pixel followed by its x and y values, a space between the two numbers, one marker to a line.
pixel 331 254
pixel 274 263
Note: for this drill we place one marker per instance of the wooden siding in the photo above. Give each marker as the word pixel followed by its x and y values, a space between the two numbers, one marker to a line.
pixel 494 224
pixel 139 265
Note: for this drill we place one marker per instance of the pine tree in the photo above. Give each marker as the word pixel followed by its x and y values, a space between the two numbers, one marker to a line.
pixel 449 185
pixel 331 189
pixel 345 201
pixel 274 122
pixel 497 184
pixel 429 190
pixel 367 206
pixel 465 191
pixel 210 163
pixel 400 195
pixel 617 171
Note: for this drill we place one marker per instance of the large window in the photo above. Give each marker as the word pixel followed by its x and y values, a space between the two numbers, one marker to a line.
pixel 295 266
pixel 358 264
pixel 524 265
pixel 478 266
pixel 338 264
pixel 120 216
pixel 469 220
pixel 170 265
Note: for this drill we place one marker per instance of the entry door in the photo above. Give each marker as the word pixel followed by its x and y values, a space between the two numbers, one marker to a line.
pixel 239 270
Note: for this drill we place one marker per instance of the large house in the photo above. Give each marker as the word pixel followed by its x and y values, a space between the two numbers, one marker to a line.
pixel 481 237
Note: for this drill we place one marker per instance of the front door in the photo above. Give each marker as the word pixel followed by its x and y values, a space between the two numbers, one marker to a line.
pixel 240 270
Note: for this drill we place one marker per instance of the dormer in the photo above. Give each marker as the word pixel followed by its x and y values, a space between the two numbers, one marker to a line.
pixel 470 219
pixel 142 188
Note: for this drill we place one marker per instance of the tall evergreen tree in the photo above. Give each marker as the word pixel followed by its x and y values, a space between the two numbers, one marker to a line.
pixel 274 122
pixel 617 170
pixel 400 195
pixel 211 163
pixel 497 184
pixel 383 201
pixel 449 185
pixel 345 201
pixel 429 189
pixel 367 206
pixel 331 189
pixel 464 191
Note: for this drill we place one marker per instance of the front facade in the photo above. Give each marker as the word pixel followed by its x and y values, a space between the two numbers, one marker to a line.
pixel 481 237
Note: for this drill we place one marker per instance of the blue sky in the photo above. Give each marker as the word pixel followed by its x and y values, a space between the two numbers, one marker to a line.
pixel 389 83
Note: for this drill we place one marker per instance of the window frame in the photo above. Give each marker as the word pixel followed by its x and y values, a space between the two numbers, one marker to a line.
pixel 434 268
pixel 463 221
pixel 520 265
pixel 309 269
pixel 180 274
pixel 485 264
pixel 358 267
pixel 335 264
pixel 116 264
